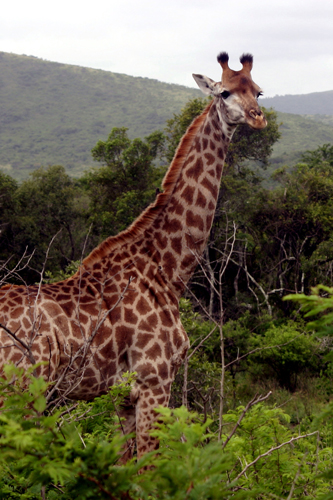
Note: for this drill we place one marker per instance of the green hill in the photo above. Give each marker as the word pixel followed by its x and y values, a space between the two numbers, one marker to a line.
pixel 55 113
pixel 298 134
pixel 304 104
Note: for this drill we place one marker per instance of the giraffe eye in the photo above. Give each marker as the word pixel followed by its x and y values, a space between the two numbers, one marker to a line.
pixel 225 94
pixel 259 94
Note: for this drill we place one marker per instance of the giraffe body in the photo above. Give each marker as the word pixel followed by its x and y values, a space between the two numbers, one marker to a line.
pixel 120 311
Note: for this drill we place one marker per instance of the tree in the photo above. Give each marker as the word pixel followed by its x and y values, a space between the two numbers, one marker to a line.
pixel 8 206
pixel 281 238
pixel 253 145
pixel 322 155
pixel 127 181
pixel 177 126
pixel 246 144
pixel 49 202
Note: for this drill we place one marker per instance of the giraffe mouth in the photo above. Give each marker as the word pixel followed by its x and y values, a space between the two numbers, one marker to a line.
pixel 257 119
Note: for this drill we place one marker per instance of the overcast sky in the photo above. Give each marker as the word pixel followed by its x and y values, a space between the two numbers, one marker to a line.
pixel 291 40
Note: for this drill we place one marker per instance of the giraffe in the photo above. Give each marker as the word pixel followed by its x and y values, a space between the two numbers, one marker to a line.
pixel 120 311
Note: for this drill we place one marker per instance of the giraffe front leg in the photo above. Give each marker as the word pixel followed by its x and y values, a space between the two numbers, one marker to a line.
pixel 127 425
pixel 149 399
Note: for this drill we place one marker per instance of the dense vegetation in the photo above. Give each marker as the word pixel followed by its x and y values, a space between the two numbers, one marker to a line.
pixel 259 381
pixel 53 114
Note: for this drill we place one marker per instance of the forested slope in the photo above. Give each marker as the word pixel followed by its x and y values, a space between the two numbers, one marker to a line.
pixel 53 114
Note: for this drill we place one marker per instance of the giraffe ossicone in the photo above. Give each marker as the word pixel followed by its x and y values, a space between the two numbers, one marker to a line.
pixel 120 311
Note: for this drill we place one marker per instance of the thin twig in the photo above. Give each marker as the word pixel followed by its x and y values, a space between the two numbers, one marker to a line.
pixel 274 449
pixel 251 403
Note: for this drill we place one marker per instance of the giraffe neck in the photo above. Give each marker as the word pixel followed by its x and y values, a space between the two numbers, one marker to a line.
pixel 166 241
pixel 181 231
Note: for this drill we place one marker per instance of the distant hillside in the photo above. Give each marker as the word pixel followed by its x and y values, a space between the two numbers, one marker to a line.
pixel 299 134
pixel 55 113
pixel 306 104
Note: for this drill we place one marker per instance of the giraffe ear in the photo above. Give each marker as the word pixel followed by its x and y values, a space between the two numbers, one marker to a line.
pixel 205 84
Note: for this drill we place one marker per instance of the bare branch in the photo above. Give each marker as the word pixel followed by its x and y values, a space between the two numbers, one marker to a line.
pixel 257 399
pixel 258 349
pixel 20 344
pixel 201 342
pixel 292 440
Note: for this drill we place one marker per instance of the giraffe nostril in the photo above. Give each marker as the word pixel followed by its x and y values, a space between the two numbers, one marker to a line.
pixel 254 113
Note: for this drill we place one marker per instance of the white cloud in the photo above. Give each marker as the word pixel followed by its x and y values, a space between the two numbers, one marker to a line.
pixel 291 41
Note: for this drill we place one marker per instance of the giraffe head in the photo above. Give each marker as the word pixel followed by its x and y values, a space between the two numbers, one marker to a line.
pixel 236 94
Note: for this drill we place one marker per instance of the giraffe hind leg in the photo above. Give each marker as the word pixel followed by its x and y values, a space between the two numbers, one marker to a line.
pixel 146 416
pixel 127 426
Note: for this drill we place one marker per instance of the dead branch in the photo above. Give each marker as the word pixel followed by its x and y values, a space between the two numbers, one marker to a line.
pixel 202 341
pixel 258 349
pixel 257 399
pixel 20 344
pixel 292 440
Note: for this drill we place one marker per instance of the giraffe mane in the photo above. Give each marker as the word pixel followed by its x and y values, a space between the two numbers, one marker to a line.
pixel 153 210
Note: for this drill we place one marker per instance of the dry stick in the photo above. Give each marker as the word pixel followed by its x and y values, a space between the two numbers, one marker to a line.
pixel 24 348
pixel 222 336
pixel 185 382
pixel 185 377
pixel 77 430
pixel 83 351
pixel 204 400
pixel 98 484
pixel 202 341
pixel 34 331
pixel 17 268
pixel 69 409
pixel 296 477
pixel 274 449
pixel 222 375
pixel 265 295
pixel 222 362
pixel 258 349
pixel 251 403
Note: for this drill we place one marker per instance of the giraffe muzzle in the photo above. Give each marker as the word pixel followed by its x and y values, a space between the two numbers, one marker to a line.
pixel 257 119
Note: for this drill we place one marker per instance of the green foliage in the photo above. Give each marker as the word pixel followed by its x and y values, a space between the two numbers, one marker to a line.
pixel 44 450
pixel 8 208
pixel 48 204
pixel 264 429
pixel 254 145
pixel 295 353
pixel 121 189
pixel 318 304
pixel 61 275
pixel 63 455
pixel 298 134
pixel 177 126
pixel 190 465
pixel 322 155
pixel 246 144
